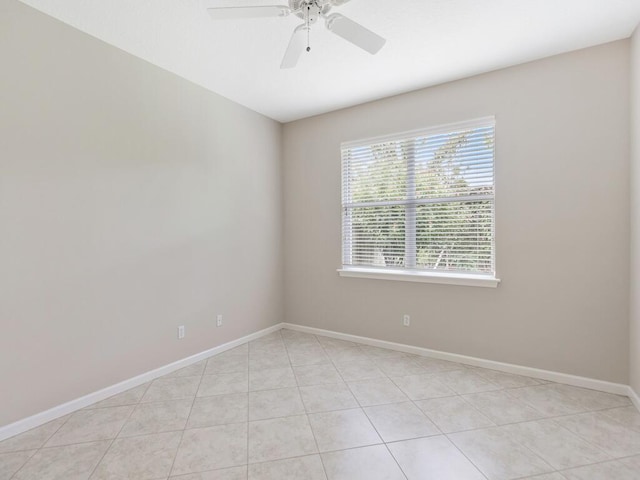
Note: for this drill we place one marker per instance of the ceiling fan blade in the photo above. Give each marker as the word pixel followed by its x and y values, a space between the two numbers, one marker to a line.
pixel 295 48
pixel 355 33
pixel 225 13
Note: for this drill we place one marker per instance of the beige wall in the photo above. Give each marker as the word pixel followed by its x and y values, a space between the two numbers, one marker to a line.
pixel 562 220
pixel 634 333
pixel 131 202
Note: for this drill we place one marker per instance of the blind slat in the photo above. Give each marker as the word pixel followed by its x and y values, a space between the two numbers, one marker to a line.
pixel 421 200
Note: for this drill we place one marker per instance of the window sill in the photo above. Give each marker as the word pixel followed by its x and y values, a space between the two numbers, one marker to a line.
pixel 468 280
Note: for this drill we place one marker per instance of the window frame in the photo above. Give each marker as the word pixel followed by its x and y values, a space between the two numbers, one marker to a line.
pixel 411 273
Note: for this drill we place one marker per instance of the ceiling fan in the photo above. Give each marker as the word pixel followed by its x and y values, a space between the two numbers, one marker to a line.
pixel 309 11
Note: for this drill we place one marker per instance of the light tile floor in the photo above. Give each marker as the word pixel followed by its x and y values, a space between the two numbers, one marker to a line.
pixel 293 406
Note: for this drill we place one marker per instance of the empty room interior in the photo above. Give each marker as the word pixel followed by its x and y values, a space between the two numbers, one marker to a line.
pixel 319 240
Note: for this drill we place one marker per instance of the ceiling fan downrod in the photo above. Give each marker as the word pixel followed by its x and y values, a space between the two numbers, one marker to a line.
pixel 308 29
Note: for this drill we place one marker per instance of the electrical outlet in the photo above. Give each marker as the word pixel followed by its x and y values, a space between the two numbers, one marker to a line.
pixel 219 321
pixel 406 320
pixel 180 332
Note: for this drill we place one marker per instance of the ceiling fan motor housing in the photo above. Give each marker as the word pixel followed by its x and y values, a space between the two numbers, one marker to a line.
pixel 310 10
pixel 298 4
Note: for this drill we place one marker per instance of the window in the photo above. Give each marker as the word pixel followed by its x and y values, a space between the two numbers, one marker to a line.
pixel 420 205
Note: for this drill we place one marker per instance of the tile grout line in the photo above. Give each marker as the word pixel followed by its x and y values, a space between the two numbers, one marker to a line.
pixel 400 441
pixel 119 431
pixel 331 361
pixel 248 400
pixel 461 396
pixel 364 411
pixel 175 456
pixel 553 469
pixel 612 460
pixel 543 417
pixel 575 435
pixel 435 425
pixel 495 426
pixel 499 388
pixel 516 423
pixel 385 375
pixel 373 359
pixel 249 390
pixel 26 461
pixel 37 450
pixel 315 440
pixel 351 408
pixel 409 400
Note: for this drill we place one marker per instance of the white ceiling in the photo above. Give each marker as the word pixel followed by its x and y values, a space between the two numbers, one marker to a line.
pixel 428 42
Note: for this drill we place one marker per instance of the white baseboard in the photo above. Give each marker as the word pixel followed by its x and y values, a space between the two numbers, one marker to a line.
pixel 61 410
pixel 635 398
pixel 69 407
pixel 574 380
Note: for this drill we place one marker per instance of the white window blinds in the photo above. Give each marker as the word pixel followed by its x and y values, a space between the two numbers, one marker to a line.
pixel 421 201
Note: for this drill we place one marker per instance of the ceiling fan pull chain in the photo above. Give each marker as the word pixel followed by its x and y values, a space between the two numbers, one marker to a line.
pixel 308 29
